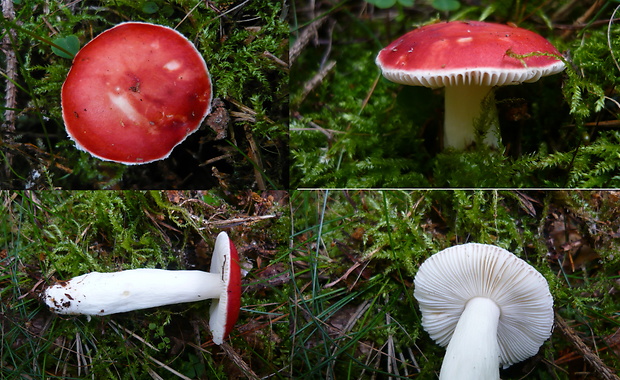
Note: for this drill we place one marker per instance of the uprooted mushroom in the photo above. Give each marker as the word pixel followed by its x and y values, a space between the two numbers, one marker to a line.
pixel 118 292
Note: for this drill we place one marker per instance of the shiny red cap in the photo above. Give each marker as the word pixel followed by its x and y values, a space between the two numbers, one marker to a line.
pixel 468 52
pixel 135 92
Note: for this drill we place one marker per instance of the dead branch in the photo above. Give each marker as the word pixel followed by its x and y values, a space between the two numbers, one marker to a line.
pixel 589 356
pixel 11 69
pixel 304 38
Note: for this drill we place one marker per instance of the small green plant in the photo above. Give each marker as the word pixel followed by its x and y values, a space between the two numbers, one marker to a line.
pixel 70 45
pixel 440 5
pixel 446 5
pixel 159 333
pixel 391 3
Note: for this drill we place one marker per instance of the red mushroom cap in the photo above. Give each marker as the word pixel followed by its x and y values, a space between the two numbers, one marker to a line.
pixel 225 311
pixel 467 52
pixel 135 92
pixel 234 290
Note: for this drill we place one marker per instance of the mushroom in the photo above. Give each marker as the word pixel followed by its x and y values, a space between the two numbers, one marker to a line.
pixel 488 306
pixel 135 92
pixel 468 58
pixel 118 292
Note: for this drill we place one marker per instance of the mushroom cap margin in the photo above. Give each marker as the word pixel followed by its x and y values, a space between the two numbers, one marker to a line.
pixel 117 108
pixel 448 279
pixel 225 310
pixel 468 53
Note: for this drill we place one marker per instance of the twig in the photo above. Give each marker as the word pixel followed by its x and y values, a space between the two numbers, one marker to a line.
pixel 589 356
pixel 187 15
pixel 235 357
pixel 117 326
pixel 228 10
pixel 275 59
pixel 31 291
pixel 10 102
pixel 246 114
pixel 611 50
pixel 304 38
pixel 254 155
pixel 169 369
pixel 215 159
pixel 329 133
pixel 316 80
pixel 587 15
pixel 329 43
pixel 232 222
pixel 344 276
pixel 238 360
pixel 565 10
pixel 11 69
pixel 154 375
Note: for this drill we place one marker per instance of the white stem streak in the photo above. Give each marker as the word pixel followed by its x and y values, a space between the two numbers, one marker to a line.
pixel 473 351
pixel 463 105
pixel 109 293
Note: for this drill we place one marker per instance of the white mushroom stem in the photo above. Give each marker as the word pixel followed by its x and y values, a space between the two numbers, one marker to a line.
pixel 473 351
pixel 109 293
pixel 463 105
